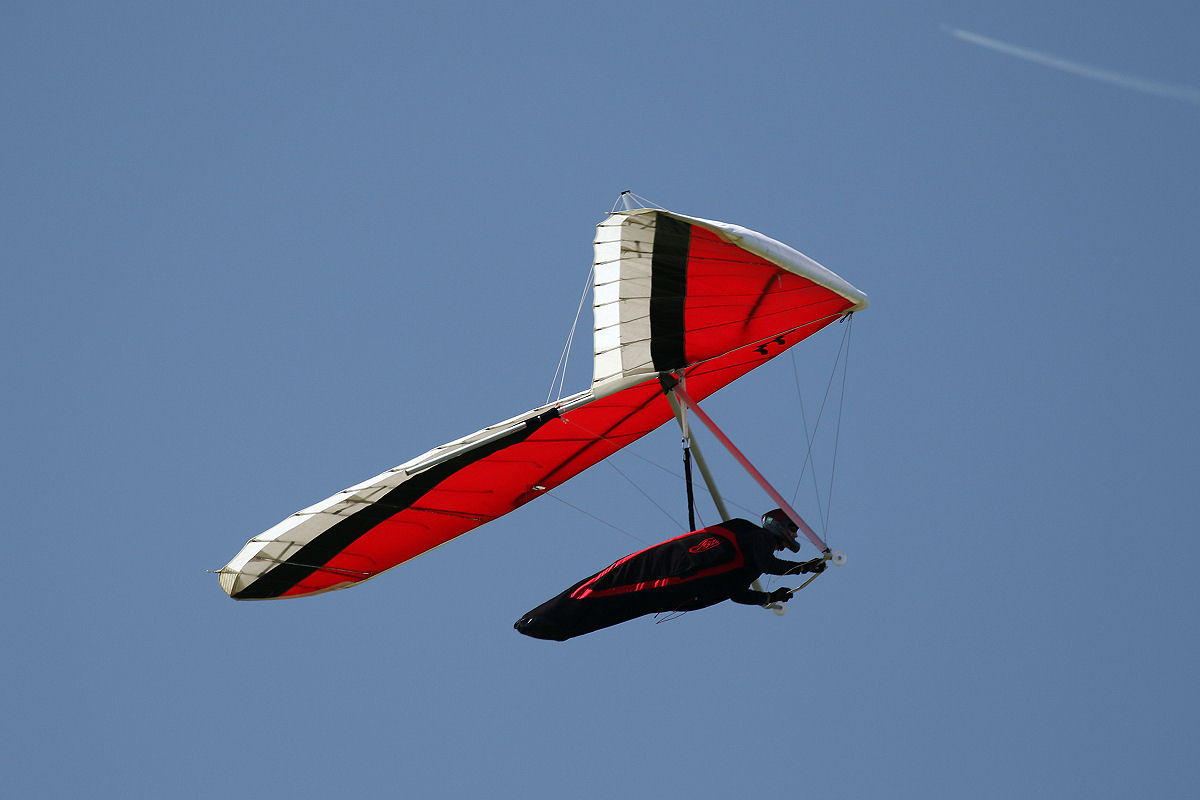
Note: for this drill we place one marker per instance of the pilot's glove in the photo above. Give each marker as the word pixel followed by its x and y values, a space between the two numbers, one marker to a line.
pixel 780 596
pixel 816 566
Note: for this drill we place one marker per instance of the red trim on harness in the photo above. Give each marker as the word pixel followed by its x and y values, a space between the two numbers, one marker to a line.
pixel 717 531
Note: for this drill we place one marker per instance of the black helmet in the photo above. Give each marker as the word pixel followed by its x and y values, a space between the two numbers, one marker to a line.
pixel 782 528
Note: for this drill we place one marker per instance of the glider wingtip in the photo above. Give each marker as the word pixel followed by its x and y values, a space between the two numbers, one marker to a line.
pixel 235 585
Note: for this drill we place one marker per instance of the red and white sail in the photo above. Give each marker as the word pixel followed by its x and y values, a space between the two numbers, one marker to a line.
pixel 704 300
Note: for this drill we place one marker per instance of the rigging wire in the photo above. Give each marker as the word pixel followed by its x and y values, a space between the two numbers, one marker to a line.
pixel 824 509
pixel 617 528
pixel 560 373
pixel 808 441
pixel 843 347
pixel 838 430
pixel 631 453
pixel 609 460
pixel 643 493
pixel 622 202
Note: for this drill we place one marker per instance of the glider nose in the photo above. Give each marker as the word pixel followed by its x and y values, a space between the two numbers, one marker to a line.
pixel 539 629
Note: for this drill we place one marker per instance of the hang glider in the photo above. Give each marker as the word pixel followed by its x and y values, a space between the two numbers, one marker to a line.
pixel 697 301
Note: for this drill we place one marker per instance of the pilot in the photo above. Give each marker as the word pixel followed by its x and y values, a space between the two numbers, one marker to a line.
pixel 689 572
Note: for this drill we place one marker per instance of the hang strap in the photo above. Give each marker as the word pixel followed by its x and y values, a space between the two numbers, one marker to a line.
pixel 687 475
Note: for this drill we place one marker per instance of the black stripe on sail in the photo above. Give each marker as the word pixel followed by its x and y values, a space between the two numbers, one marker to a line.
pixel 668 288
pixel 321 550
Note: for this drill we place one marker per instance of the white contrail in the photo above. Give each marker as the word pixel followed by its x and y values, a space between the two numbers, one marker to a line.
pixel 1185 94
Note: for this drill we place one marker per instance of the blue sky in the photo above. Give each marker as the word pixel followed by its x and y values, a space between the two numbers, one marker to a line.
pixel 254 253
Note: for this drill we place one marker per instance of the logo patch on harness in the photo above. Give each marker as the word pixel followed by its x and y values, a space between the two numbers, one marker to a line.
pixel 707 544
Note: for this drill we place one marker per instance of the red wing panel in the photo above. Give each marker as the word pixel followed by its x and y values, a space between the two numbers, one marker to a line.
pixel 556 452
pixel 738 311
pixel 735 297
